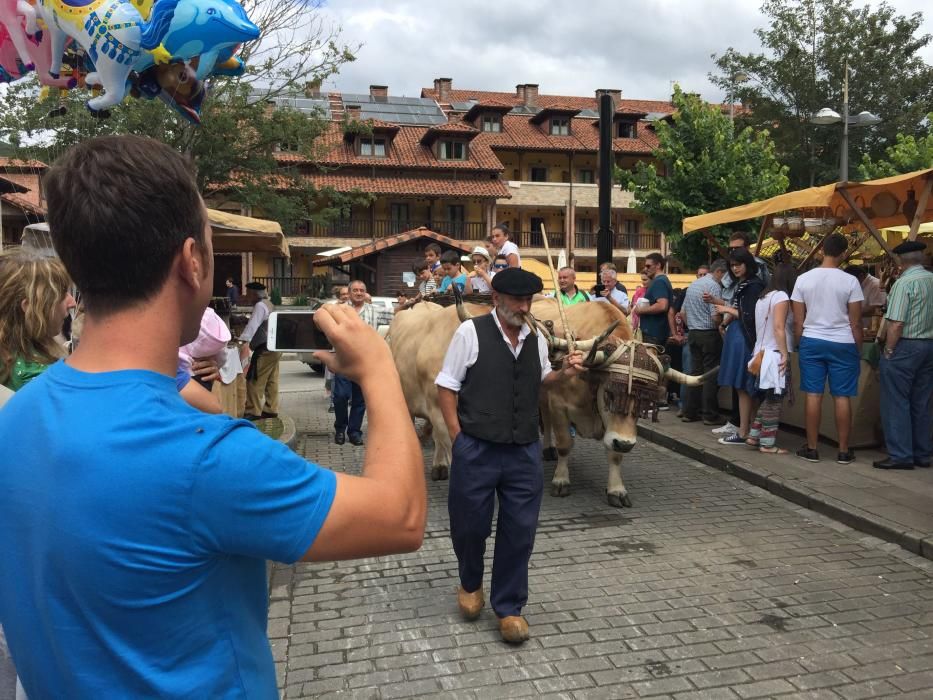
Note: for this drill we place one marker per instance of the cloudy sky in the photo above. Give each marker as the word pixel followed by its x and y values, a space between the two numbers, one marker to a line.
pixel 568 48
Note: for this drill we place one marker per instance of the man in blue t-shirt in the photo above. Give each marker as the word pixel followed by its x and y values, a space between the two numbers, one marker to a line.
pixel 134 529
pixel 653 306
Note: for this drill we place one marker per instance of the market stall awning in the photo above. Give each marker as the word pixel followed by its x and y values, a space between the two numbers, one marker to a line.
pixel 890 191
pixel 244 234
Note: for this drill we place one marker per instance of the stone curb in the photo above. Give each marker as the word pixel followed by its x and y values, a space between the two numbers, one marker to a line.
pixel 797 492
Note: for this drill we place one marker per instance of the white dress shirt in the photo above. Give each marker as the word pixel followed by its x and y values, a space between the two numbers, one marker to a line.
pixel 257 317
pixel 464 349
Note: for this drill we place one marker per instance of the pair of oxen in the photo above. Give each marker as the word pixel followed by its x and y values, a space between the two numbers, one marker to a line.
pixel 623 383
pixel 156 48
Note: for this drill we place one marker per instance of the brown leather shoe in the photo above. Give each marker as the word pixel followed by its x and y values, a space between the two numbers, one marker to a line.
pixel 470 604
pixel 514 629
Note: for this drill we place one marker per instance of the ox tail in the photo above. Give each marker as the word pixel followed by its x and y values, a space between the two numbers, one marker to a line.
pixel 154 31
pixel 688 379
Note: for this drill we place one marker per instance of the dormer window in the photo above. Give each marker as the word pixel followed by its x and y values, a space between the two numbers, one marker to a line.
pixel 451 150
pixel 492 123
pixel 626 130
pixel 560 126
pixel 372 147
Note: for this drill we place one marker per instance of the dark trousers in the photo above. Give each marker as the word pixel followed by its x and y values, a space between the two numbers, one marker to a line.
pixel 906 397
pixel 480 471
pixel 347 392
pixel 705 351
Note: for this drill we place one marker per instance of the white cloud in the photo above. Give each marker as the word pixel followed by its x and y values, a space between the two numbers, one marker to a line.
pixel 567 48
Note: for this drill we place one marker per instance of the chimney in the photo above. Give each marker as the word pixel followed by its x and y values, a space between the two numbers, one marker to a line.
pixel 531 95
pixel 313 88
pixel 379 92
pixel 443 86
pixel 520 91
pixel 353 112
pixel 616 94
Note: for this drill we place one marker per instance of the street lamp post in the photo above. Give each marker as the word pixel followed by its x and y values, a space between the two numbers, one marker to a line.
pixel 829 116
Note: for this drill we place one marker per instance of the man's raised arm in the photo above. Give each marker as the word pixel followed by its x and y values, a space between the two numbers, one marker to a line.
pixel 383 511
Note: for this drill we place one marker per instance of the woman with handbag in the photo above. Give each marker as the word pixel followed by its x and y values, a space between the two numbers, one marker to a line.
pixel 774 321
pixel 739 340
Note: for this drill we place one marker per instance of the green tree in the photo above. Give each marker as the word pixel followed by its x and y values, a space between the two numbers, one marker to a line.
pixel 237 147
pixel 702 166
pixel 908 154
pixel 801 69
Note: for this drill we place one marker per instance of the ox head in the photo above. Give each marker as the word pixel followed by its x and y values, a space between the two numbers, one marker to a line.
pixel 626 378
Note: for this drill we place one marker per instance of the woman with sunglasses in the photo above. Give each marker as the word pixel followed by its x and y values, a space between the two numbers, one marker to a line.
pixel 741 335
pixel 480 280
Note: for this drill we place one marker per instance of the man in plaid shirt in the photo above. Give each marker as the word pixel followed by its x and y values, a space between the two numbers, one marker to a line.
pixel 345 391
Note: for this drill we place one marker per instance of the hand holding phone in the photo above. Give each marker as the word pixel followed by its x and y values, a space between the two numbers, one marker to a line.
pixel 359 353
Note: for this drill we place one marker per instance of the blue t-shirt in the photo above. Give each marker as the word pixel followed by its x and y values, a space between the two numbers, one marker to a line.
pixel 656 325
pixel 459 280
pixel 134 531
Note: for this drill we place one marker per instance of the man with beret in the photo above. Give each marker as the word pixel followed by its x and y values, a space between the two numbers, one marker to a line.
pixel 907 363
pixel 488 393
pixel 262 377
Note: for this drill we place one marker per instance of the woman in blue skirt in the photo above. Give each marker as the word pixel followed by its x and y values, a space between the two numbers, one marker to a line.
pixel 739 320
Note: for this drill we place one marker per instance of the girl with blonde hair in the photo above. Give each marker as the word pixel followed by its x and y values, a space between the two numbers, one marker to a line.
pixel 35 299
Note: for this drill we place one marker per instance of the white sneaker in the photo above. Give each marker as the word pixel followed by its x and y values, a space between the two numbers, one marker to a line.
pixel 726 429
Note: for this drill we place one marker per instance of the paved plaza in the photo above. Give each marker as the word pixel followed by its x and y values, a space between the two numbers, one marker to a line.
pixel 708 588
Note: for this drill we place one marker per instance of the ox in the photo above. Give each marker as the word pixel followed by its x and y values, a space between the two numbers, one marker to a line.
pixel 604 404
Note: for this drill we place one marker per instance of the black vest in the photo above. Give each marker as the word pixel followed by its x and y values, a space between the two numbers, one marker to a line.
pixel 498 400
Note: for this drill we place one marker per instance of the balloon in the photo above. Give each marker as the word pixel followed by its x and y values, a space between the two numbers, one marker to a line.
pixel 18 18
pixel 113 34
pixel 177 85
pixel 10 64
pixel 209 30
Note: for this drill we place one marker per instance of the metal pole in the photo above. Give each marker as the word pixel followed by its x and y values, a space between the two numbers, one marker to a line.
pixel 844 156
pixel 604 235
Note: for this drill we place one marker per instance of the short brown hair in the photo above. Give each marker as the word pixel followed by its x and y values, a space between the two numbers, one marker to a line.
pixel 120 210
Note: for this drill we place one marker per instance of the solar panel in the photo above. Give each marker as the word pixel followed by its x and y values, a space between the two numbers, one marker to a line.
pixel 589 113
pixel 462 106
pixel 306 105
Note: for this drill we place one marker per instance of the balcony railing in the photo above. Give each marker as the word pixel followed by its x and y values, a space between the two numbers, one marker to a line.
pixel 287 286
pixel 534 239
pixel 381 228
pixel 638 241
pixel 587 239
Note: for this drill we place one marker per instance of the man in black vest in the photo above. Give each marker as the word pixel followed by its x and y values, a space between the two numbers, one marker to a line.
pixel 488 392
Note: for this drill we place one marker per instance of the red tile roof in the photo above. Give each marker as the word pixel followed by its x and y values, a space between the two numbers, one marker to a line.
pixel 405 151
pixel 410 185
pixel 26 183
pixel 21 165
pixel 624 106
pixel 519 133
pixel 390 242
pixel 25 202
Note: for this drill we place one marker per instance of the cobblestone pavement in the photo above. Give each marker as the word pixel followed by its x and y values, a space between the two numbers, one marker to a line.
pixel 707 588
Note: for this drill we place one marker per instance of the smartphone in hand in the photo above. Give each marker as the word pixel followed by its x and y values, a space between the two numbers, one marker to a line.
pixel 295 331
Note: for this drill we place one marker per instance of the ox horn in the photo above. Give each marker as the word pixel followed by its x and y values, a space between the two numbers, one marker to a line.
pixel 597 341
pixel 688 379
pixel 595 358
pixel 462 312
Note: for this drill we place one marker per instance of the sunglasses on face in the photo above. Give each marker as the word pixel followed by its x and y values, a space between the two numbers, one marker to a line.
pixel 500 266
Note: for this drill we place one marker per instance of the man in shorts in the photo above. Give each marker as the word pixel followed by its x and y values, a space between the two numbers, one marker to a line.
pixel 828 330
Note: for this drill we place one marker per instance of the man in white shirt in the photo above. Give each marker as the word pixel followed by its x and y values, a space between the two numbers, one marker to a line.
pixel 346 392
pixel 875 296
pixel 500 239
pixel 828 330
pixel 610 293
pixel 262 376
pixel 488 390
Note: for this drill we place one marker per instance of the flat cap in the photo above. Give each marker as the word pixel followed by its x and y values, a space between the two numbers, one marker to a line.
pixel 517 282
pixel 909 247
pixel 258 286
